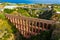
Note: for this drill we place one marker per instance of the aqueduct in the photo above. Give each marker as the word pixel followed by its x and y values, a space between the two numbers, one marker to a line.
pixel 29 26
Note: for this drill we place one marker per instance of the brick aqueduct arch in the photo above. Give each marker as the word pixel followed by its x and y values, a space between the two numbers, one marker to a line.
pixel 29 26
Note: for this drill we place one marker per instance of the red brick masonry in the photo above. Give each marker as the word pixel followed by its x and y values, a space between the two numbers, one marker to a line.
pixel 29 26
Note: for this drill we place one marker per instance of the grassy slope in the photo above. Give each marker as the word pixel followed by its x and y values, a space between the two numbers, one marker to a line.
pixel 23 12
pixel 5 28
pixel 57 9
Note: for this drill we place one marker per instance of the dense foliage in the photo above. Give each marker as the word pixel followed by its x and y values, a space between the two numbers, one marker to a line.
pixel 6 30
pixel 2 16
pixel 47 14
pixel 44 35
pixel 8 10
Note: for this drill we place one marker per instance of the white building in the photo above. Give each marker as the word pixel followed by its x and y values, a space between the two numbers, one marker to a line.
pixel 10 7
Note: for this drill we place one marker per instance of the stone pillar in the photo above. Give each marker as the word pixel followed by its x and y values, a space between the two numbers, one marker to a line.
pixel 43 27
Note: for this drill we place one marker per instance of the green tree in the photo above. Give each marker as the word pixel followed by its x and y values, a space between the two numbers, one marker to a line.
pixel 8 10
pixel 47 14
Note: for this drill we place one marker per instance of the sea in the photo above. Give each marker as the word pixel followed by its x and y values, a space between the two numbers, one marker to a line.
pixel 32 1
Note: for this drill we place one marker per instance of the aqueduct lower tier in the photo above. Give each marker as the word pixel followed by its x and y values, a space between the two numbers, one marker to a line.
pixel 29 26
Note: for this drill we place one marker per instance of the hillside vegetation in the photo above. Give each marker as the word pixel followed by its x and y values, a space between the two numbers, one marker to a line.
pixel 6 32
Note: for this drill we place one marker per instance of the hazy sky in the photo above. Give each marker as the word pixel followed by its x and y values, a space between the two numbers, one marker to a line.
pixel 32 1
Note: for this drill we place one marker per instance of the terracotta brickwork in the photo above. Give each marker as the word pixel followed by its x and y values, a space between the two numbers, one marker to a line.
pixel 29 26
